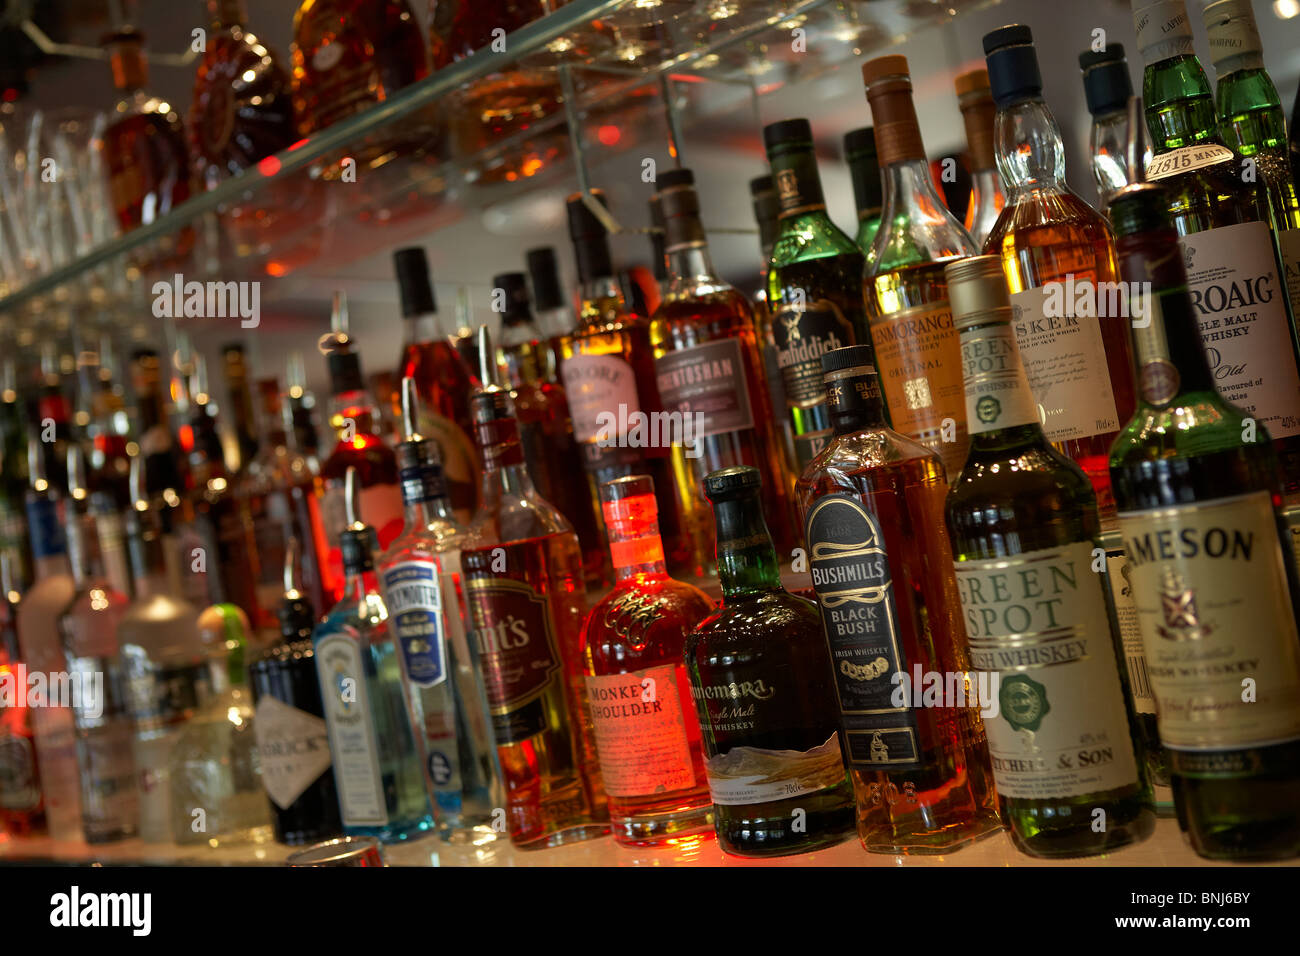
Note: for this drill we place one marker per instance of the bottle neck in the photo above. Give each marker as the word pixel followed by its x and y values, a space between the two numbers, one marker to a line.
pixel 423 328
pixel 424 489
pixel 980 118
pixel 868 191
pixel 747 563
pixel 986 189
pixel 690 270
pixel 1030 152
pixel 637 551
pixel 798 183
pixel 1000 408
pixel 602 299
pixel 149 564
pixel 854 398
pixel 505 473
pixel 910 187
pixel 1179 105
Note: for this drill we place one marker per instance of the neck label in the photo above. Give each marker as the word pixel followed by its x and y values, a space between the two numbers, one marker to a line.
pixel 997 391
pixel 1185 159
pixel 1163 30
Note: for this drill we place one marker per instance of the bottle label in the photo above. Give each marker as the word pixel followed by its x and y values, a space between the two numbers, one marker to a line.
pixel 851 575
pixel 1217 621
pixel 1163 30
pixel 162 696
pixel 917 352
pixel 1184 159
pixel 640 728
pixel 1039 622
pixel 414 597
pixel 1059 337
pixel 802 337
pixel 1288 241
pixel 997 390
pixel 748 775
pixel 294 748
pixel 19 787
pixel 707 380
pixel 353 747
pixel 1241 312
pixel 1130 632
pixel 516 647
pixel 106 762
pixel 597 386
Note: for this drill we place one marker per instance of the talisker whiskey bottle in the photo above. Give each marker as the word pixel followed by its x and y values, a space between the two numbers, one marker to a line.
pixel 1197 485
pixel 1023 523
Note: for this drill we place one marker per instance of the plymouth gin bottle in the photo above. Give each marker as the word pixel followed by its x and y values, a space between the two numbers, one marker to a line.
pixel 421 579
pixel 376 762
pixel 1023 523
pixel 1197 484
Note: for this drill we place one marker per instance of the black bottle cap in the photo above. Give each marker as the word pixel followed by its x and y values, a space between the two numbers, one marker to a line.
pixel 675 177
pixel 728 484
pixel 1106 83
pixel 297 619
pixel 419 464
pixel 1140 207
pixel 860 142
pixel 515 287
pixel 413 283
pixel 358 546
pixel 851 356
pixel 767 210
pixel 590 238
pixel 864 168
pixel 1013 64
pixel 583 224
pixel 791 133
pixel 345 371
pixel 545 273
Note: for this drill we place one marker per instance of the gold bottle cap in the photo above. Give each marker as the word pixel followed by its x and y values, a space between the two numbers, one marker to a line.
pixel 977 291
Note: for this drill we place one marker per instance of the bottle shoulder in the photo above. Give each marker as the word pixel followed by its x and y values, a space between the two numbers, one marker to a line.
pixel 811 235
pixel 769 616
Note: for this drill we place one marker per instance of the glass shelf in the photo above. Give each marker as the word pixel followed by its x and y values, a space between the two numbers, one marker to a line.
pixel 421 160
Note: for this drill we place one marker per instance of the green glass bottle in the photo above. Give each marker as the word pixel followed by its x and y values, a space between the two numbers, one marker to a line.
pixel 814 285
pixel 868 193
pixel 1251 121
pixel 1197 485
pixel 1023 522
pixel 1222 221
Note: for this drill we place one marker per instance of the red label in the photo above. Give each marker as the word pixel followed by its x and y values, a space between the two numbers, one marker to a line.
pixel 640 732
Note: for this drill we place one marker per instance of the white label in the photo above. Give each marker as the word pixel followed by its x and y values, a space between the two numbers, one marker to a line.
pixel 596 384
pixel 1217 622
pixel 1241 313
pixel 1163 30
pixel 746 775
pixel 1065 362
pixel 1186 158
pixel 1126 613
pixel 294 747
pixel 351 730
pixel 997 391
pixel 1039 620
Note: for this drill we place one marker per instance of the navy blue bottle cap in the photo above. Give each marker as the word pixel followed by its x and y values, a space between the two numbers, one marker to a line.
pixel 1012 64
pixel 1106 83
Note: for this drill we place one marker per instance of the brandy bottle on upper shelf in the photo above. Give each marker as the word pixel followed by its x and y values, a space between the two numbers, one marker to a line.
pixel 1059 256
pixel 905 291
pixel 710 374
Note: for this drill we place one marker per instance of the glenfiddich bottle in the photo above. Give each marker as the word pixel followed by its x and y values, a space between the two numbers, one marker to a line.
pixel 1197 485
pixel 1023 523
pixel 814 284
pixel 911 323
pixel 881 565
pixel 761 680
pixel 767 210
pixel 1059 256
pixel 1222 224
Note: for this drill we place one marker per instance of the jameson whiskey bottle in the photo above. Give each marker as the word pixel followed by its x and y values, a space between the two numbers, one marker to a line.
pixel 1059 256
pixel 1023 523
pixel 864 170
pixel 911 323
pixel 1197 485
pixel 872 504
pixel 814 284
pixel 1222 224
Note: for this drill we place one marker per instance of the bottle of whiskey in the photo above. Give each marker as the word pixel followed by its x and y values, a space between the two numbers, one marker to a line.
pixel 1107 90
pixel 22 805
pixel 975 97
pixel 881 565
pixel 554 314
pixel 377 764
pixel 1252 124
pixel 102 720
pixel 911 323
pixel 302 412
pixel 289 722
pixel 868 191
pixel 1023 523
pixel 1222 223
pixel 1059 256
pixel 767 212
pixel 1213 576
pixel 647 732
pixel 421 578
pixel 442 378
pixel 814 285
pixel 523 583
pixel 710 373
pixel 762 684
pixel 607 365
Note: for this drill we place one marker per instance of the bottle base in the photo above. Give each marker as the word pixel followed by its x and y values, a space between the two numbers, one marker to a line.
pixel 394 833
pixel 763 837
pixel 933 842
pixel 661 829
pixel 569 835
pixel 1081 841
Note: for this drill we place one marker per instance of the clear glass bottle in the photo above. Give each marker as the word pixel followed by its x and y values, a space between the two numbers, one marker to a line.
pixel 377 764
pixel 420 575
pixel 978 112
pixel 1107 90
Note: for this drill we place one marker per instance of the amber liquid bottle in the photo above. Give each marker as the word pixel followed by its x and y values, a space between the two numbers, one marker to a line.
pixel 1059 256
pixel 710 373
pixel 881 564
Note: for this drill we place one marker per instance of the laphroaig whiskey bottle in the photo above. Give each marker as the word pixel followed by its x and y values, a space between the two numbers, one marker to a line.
pixel 868 193
pixel 978 112
pixel 907 301
pixel 710 373
pixel 1198 489
pixel 420 575
pixel 1107 89
pixel 881 565
pixel 647 732
pixel 524 587
pixel 1251 122
pixel 814 285
pixel 1023 523
pixel 763 689
pixel 1059 256
pixel 1222 224
pixel 377 765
